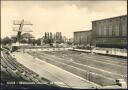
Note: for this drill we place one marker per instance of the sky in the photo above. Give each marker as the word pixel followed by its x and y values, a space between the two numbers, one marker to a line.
pixel 57 16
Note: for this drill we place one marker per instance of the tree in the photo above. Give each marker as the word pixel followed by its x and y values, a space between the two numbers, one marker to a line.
pixel 6 40
pixel 14 38
pixel 45 38
pixel 33 41
pixel 23 41
pixel 38 41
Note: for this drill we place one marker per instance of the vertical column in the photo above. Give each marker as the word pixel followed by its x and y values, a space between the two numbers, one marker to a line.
pixel 120 27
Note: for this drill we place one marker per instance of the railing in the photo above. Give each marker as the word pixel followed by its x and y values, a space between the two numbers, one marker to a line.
pixel 15 69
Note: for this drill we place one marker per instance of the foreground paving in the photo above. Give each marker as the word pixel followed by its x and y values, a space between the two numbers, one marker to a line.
pixel 79 65
pixel 53 73
pixel 116 65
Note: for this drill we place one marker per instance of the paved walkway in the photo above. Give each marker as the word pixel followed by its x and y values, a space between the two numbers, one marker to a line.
pixel 104 52
pixel 53 73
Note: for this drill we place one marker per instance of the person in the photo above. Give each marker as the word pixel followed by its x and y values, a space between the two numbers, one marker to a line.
pixel 23 50
pixel 34 57
pixel 91 49
pixel 107 51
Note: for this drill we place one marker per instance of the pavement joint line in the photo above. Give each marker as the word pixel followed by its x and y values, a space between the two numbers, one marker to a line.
pixel 54 65
pixel 108 59
pixel 107 63
pixel 100 69
pixel 102 52
pixel 22 59
pixel 88 66
pixel 76 75
pixel 84 70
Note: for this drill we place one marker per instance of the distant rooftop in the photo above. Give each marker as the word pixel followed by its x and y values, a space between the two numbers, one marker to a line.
pixel 83 31
pixel 110 18
pixel 27 35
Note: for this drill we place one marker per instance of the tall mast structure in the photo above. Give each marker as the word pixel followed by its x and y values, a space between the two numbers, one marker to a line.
pixel 20 29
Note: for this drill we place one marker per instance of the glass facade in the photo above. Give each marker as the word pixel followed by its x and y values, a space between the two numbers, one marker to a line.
pixel 110 31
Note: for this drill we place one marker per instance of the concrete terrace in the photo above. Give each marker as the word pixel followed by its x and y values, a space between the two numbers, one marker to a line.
pixel 53 73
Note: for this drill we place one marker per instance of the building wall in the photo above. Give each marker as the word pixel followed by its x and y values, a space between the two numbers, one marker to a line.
pixel 82 37
pixel 110 32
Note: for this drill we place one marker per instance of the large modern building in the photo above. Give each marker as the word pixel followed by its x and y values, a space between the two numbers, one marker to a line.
pixel 82 37
pixel 110 32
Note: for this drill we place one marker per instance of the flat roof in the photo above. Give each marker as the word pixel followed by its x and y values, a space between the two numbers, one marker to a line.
pixel 110 18
pixel 83 31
